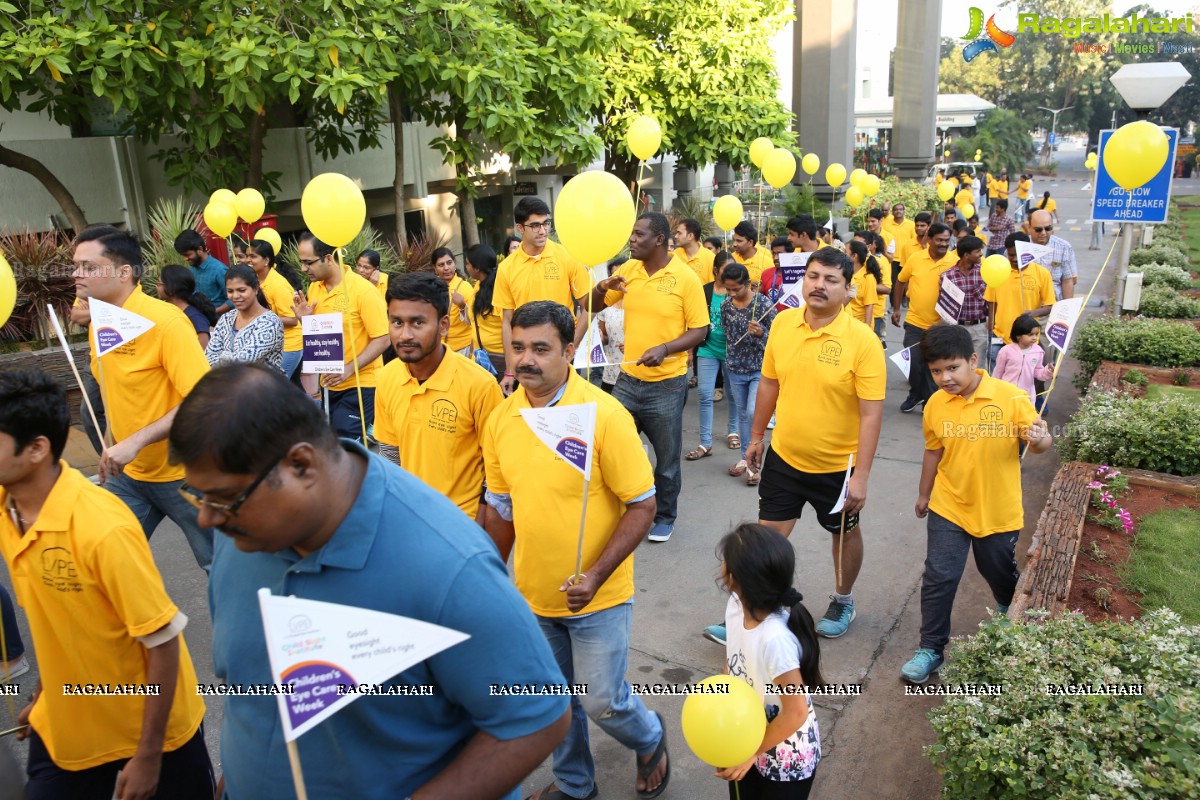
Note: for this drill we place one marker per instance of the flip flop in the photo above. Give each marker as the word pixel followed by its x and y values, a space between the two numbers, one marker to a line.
pixel 738 469
pixel 644 771
pixel 552 792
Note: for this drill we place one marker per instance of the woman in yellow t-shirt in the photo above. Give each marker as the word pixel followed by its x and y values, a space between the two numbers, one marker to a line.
pixel 279 282
pixel 864 283
pixel 1048 204
pixel 485 318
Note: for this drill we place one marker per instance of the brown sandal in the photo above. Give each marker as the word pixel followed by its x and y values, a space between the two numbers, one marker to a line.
pixel 738 469
pixel 752 477
pixel 733 441
pixel 700 452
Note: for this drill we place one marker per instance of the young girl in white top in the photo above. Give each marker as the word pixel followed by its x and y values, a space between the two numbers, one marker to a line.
pixel 772 645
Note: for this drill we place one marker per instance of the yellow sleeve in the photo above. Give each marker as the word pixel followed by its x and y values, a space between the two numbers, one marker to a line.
pixel 373 312
pixel 491 456
pixel 695 309
pixel 905 268
pixel 383 418
pixel 502 297
pixel 185 362
pixel 870 290
pixel 612 297
pixel 1024 414
pixel 768 363
pixel 989 294
pixel 621 457
pixel 125 570
pixel 870 369
pixel 932 440
pixel 581 280
pixel 487 397
pixel 1047 285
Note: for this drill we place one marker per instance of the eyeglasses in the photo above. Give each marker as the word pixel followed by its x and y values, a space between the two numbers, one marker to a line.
pixel 538 226
pixel 308 262
pixel 1047 229
pixel 229 510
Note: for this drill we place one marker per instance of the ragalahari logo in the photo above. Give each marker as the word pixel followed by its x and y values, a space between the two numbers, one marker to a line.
pixel 977 44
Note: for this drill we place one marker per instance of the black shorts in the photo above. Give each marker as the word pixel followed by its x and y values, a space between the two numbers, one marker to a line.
pixel 784 490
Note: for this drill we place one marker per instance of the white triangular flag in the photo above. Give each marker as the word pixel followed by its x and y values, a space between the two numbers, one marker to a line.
pixel 1028 252
pixel 903 360
pixel 792 267
pixel 841 502
pixel 317 647
pixel 114 326
pixel 590 352
pixel 567 430
pixel 58 331
pixel 1060 325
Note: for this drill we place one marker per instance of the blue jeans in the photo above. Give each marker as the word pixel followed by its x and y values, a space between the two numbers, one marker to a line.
pixel 993 353
pixel 657 409
pixel 14 648
pixel 945 559
pixel 594 649
pixel 743 389
pixel 150 502
pixel 291 361
pixel 707 369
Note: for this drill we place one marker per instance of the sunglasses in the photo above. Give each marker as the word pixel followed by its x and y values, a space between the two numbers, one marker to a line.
pixel 1047 229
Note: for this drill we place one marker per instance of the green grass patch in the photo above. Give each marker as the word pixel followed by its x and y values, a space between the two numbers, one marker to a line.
pixel 1190 223
pixel 1188 200
pixel 1157 391
pixel 1163 564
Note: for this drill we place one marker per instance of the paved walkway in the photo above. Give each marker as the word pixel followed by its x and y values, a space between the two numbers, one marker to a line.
pixel 872 743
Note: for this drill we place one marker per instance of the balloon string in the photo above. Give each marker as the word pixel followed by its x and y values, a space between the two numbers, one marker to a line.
pixel 641 169
pixel 362 414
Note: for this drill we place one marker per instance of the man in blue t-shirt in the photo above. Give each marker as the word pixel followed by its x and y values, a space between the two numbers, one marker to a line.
pixel 306 515
pixel 210 273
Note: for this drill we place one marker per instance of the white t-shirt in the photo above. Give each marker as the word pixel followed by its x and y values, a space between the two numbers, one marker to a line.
pixel 759 656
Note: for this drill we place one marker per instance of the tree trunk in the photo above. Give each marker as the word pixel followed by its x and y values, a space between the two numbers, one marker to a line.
pixel 61 194
pixel 396 112
pixel 254 169
pixel 466 196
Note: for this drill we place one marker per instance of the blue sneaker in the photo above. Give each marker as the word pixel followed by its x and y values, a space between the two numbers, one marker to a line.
pixel 923 663
pixel 661 532
pixel 837 619
pixel 715 633
pixel 1002 609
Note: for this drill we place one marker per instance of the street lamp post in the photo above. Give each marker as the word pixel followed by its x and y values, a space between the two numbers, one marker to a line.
pixel 1144 87
pixel 1053 127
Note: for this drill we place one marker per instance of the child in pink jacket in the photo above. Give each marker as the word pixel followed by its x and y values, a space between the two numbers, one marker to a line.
pixel 1021 362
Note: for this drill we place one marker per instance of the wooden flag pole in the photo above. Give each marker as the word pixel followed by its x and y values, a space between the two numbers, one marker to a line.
pixel 578 576
pixel 297 774
pixel 362 414
pixel 62 339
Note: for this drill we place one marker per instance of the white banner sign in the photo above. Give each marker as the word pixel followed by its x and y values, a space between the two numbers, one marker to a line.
pixel 590 352
pixel 114 326
pixel 950 300
pixel 567 430
pixel 841 503
pixel 324 344
pixel 1060 325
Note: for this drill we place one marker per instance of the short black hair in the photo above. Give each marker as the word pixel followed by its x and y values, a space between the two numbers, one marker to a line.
pixel 923 216
pixel 945 342
pixel 1013 238
pixel 119 247
pixel 246 275
pixel 528 206
pixel 692 226
pixel 659 224
pixel 372 257
pixel 715 241
pixel 968 244
pixel 733 271
pixel 93 232
pixel 264 415
pixel 546 312
pixel 320 249
pixel 1002 203
pixel 803 224
pixel 747 231
pixel 189 240
pixel 1023 325
pixel 961 224
pixel 423 287
pixel 34 404
pixel 440 253
pixel 833 257
pixel 876 213
pixel 937 228
pixel 720 259
pixel 784 242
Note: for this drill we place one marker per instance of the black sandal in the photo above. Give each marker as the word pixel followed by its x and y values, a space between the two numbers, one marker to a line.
pixel 552 792
pixel 644 771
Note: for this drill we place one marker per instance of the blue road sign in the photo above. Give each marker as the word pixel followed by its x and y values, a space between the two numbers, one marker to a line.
pixel 1053 137
pixel 1147 204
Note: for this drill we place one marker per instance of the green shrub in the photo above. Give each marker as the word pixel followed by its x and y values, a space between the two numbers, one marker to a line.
pixel 1028 743
pixel 1135 377
pixel 1165 275
pixel 1158 254
pixel 915 196
pixel 1161 434
pixel 1155 342
pixel 1163 302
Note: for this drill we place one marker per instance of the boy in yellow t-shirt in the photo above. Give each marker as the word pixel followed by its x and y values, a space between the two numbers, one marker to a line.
pixel 120 694
pixel 970 486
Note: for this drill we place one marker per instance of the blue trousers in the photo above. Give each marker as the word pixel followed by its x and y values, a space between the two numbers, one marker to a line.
pixel 657 409
pixel 150 502
pixel 707 369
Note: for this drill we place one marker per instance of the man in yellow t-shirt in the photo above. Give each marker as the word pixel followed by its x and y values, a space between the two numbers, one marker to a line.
pixel 970 487
pixel 920 280
pixel 432 403
pixel 747 252
pixel 919 241
pixel 689 251
pixel 1027 291
pixel 100 618
pixel 665 316
pixel 1024 187
pixel 338 289
pixel 820 359
pixel 875 225
pixel 142 381
pixel 898 227
pixel 534 504
pixel 538 270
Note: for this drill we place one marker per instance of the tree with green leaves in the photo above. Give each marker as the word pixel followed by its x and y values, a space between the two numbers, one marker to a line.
pixel 1003 136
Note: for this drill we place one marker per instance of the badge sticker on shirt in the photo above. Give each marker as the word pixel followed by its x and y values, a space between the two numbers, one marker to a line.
pixel 569 431
pixel 113 326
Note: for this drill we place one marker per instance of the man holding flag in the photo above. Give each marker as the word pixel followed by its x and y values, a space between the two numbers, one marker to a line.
pixel 306 515
pixel 536 445
pixel 146 358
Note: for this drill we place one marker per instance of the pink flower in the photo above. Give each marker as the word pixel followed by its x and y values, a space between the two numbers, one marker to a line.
pixel 1095 485
pixel 1107 498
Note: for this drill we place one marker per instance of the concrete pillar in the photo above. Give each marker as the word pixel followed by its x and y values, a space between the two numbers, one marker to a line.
pixel 823 82
pixel 723 175
pixel 684 182
pixel 916 80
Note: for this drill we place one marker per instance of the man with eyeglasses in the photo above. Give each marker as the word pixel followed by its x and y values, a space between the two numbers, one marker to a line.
pixel 538 270
pixel 336 288
pixel 1061 263
pixel 100 617
pixel 306 515
pixel 143 383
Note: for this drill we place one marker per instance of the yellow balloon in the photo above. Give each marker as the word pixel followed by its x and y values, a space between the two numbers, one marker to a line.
pixel 724 730
pixel 760 148
pixel 594 216
pixel 250 204
pixel 945 191
pixel 1135 153
pixel 857 176
pixel 222 196
pixel 220 217
pixel 835 175
pixel 966 211
pixel 810 163
pixel 271 237
pixel 644 137
pixel 8 290
pixel 333 208
pixel 854 197
pixel 870 185
pixel 995 270
pixel 727 212
pixel 945 154
pixel 779 167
